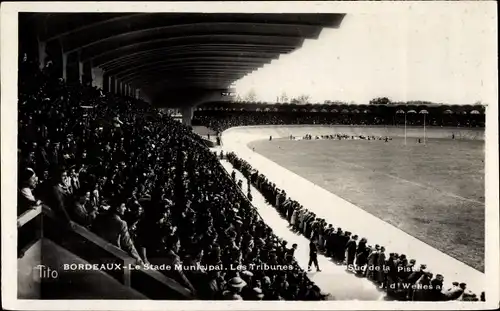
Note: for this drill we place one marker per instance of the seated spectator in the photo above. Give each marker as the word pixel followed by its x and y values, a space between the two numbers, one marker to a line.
pixel 57 195
pixel 211 290
pixel 169 256
pixel 78 212
pixel 26 199
pixel 113 229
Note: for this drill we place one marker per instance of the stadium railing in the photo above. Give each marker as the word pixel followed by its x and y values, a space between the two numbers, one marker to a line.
pixel 42 223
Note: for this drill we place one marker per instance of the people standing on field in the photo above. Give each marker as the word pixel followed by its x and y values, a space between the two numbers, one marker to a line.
pixel 313 256
pixel 393 272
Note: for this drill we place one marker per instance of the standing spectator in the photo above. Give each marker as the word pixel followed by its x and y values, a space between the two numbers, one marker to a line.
pixel 351 250
pixel 455 292
pixel 313 256
pixel 381 260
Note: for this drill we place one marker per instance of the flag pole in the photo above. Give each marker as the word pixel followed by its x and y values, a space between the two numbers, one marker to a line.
pixel 405 127
pixel 424 128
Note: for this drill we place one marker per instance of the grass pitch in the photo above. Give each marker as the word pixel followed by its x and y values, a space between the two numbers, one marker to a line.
pixel 434 192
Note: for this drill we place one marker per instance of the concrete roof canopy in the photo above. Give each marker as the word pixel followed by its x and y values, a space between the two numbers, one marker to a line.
pixel 160 52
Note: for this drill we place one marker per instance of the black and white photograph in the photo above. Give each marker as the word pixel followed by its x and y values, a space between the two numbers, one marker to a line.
pixel 250 155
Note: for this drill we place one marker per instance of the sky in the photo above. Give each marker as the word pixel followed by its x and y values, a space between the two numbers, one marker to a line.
pixel 440 55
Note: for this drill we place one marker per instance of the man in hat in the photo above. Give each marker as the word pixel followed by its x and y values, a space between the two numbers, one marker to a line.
pixel 413 278
pixel 455 292
pixel 407 270
pixel 330 240
pixel 291 252
pixel 381 261
pixel 436 292
pixel 372 262
pixel 360 250
pixel 313 256
pixel 351 250
pixel 343 239
pixel 234 288
pixel 337 240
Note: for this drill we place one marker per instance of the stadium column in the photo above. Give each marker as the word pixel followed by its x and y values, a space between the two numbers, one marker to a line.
pixel 98 77
pixel 64 66
pixel 112 84
pixel 117 87
pixel 137 93
pixel 42 53
pixel 80 67
pixel 187 115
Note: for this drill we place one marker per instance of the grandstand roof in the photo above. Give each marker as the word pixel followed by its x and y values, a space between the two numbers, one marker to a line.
pixel 160 51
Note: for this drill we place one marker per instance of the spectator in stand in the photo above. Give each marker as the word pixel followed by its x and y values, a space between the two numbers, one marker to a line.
pixel 79 212
pixel 113 229
pixel 26 199
pixel 58 195
pixel 234 289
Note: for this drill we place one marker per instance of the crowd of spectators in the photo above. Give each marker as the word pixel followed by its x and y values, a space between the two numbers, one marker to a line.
pixel 340 136
pixel 144 183
pixel 222 120
pixel 401 277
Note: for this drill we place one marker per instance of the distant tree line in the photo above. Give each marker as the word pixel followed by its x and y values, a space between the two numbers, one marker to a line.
pixel 304 99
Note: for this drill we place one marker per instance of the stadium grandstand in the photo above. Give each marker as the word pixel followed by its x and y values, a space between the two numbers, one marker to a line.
pixel 222 115
pixel 124 200
pixel 118 183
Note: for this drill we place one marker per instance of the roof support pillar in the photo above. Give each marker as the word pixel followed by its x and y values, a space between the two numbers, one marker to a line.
pixel 187 115
pixel 112 85
pixel 64 66
pixel 97 77
pixel 80 67
pixel 42 53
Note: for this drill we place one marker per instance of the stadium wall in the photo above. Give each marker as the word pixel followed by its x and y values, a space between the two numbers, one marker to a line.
pixel 277 131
